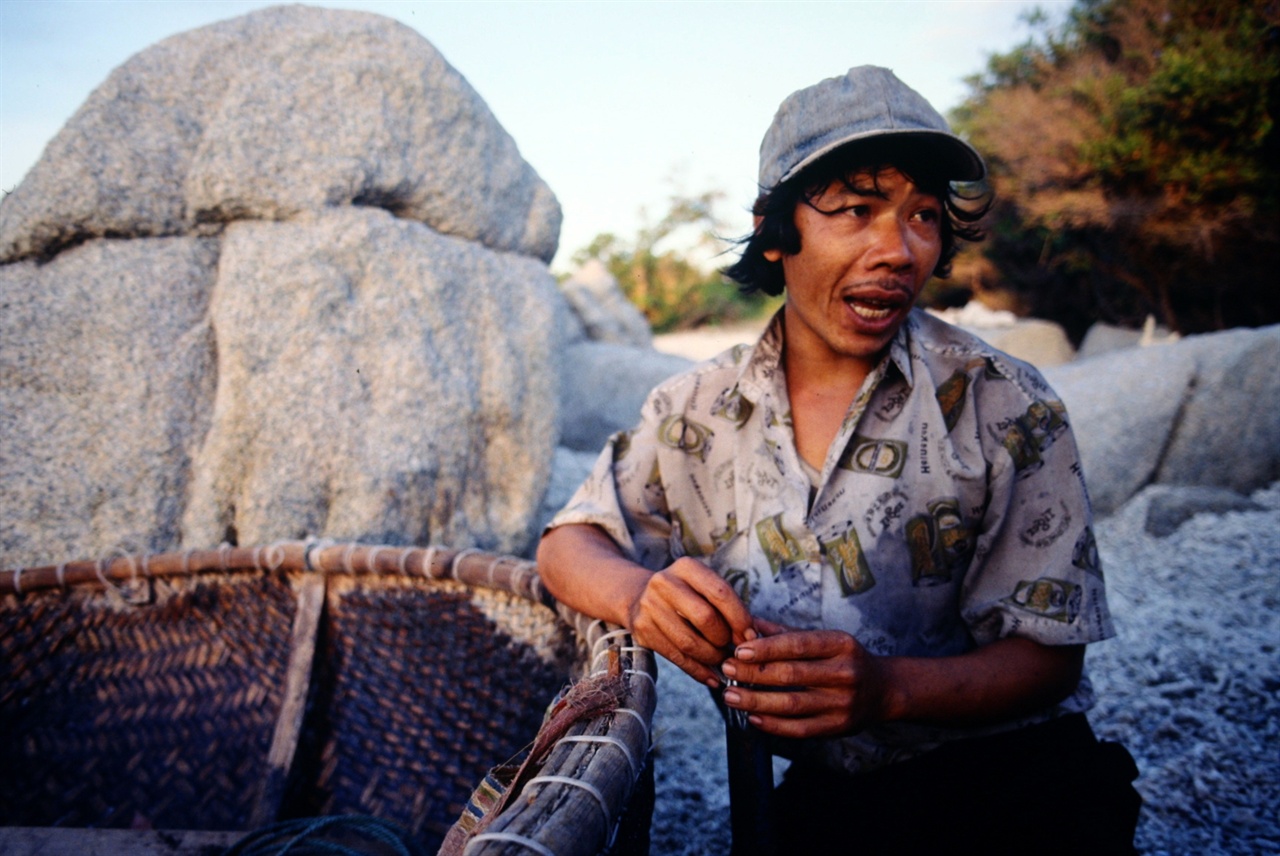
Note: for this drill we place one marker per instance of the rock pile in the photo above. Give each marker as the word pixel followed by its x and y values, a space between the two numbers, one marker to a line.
pixel 282 276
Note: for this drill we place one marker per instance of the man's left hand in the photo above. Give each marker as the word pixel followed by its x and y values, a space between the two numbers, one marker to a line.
pixel 806 683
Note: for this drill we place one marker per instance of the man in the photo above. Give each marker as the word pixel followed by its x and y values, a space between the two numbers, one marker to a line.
pixel 872 524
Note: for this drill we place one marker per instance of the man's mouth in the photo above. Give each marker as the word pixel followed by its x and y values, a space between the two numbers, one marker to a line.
pixel 870 310
pixel 873 308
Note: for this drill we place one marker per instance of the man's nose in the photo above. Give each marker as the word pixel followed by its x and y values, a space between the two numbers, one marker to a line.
pixel 891 245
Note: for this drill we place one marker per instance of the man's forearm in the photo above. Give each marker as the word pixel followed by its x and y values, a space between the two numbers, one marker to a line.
pixel 1007 678
pixel 586 570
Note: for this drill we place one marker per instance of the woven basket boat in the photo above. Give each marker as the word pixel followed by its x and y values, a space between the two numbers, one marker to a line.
pixel 226 690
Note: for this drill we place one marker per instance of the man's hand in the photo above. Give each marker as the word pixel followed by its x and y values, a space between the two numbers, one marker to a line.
pixel 685 612
pixel 806 683
pixel 829 685
pixel 690 615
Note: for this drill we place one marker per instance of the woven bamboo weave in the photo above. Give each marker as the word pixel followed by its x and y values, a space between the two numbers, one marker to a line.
pixel 227 689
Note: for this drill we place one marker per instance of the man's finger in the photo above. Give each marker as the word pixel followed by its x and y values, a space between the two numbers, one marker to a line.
pixel 681 658
pixel 797 727
pixel 716 592
pixel 796 645
pixel 825 672
pixel 800 703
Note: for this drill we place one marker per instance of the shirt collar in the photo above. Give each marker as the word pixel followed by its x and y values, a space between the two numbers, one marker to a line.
pixel 762 372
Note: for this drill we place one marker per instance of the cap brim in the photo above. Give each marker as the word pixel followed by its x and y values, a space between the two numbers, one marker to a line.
pixel 962 161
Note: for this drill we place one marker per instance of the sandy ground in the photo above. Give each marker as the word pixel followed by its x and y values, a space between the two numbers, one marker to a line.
pixel 1191 684
pixel 706 342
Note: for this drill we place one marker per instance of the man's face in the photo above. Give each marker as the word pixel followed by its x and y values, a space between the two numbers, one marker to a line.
pixel 866 249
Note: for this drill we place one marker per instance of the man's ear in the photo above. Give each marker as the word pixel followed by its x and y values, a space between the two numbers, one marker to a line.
pixel 771 255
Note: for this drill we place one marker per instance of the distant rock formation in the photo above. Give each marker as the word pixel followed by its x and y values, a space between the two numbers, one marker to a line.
pixel 282 276
pixel 1203 410
pixel 603 310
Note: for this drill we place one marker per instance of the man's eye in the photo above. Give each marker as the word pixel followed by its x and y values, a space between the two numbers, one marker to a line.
pixel 928 215
pixel 858 210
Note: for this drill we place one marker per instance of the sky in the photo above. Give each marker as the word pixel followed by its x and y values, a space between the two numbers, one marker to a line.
pixel 617 105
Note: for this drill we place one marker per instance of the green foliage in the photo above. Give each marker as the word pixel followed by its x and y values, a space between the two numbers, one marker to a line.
pixel 1136 154
pixel 668 284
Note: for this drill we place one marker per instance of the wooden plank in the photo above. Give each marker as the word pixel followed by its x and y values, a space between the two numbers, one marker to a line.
pixel 284 742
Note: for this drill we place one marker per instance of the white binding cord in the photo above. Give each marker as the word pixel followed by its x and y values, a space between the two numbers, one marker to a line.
pixel 612 741
pixel 610 831
pixel 311 553
pixel 644 726
pixel 493 566
pixel 603 640
pixel 511 838
pixel 428 562
pixel 455 567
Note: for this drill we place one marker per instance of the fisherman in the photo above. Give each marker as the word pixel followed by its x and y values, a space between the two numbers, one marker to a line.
pixel 870 530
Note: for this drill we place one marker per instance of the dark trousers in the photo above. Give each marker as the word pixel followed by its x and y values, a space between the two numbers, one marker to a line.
pixel 1046 789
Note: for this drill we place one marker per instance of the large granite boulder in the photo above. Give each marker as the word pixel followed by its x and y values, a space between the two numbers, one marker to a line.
pixel 283 110
pixel 376 380
pixel 1204 410
pixel 107 372
pixel 349 331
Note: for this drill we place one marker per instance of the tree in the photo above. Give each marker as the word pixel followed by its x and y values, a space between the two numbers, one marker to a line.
pixel 667 283
pixel 1136 157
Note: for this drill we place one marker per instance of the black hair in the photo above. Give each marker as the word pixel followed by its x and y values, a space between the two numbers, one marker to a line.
pixel 915 158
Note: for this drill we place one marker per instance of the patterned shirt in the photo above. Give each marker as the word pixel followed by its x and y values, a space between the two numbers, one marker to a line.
pixel 951 509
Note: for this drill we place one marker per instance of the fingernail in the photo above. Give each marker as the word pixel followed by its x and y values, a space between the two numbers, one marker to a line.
pixel 712 683
pixel 731 697
pixel 745 654
pixel 754 720
pixel 729 669
pixel 751 634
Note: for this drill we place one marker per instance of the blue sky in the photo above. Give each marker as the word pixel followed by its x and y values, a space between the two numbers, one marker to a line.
pixel 616 104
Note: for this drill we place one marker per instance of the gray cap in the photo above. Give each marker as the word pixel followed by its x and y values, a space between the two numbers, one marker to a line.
pixel 867 102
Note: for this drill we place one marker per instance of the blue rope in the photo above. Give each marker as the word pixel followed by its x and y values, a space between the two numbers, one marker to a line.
pixel 313 836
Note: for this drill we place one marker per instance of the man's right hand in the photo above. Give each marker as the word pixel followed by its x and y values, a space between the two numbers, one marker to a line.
pixel 690 615
pixel 684 612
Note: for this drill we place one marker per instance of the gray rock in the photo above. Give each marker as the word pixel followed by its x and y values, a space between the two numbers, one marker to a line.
pixel 1202 410
pixel 106 387
pixel 1172 506
pixel 283 110
pixel 1124 408
pixel 569 469
pixel 376 381
pixel 1039 342
pixel 1102 338
pixel 604 387
pixel 605 313
pixel 294 360
pixel 1229 433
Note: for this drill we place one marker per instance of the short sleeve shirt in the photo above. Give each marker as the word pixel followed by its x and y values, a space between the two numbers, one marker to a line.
pixel 951 509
